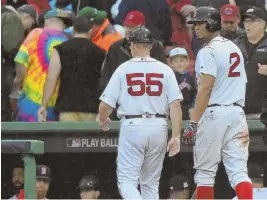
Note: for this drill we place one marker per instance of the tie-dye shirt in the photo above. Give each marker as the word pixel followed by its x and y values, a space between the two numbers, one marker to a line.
pixel 34 54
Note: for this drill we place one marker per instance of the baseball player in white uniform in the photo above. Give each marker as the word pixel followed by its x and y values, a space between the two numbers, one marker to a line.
pixel 218 129
pixel 146 91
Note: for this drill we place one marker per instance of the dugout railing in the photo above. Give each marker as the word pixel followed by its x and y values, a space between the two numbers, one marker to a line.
pixel 81 137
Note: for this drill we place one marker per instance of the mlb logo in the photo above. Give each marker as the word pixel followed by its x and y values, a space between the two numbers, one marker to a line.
pixel 74 142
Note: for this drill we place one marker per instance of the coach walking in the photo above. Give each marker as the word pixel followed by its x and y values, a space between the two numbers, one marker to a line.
pixel 120 51
pixel 146 90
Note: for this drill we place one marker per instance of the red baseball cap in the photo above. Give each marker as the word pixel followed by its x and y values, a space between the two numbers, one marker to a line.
pixel 134 18
pixel 229 13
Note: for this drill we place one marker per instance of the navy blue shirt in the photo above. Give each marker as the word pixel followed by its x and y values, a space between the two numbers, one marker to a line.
pixel 188 87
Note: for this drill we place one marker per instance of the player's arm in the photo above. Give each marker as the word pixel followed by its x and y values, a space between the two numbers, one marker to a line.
pixel 105 111
pixel 174 96
pixel 109 99
pixel 52 77
pixel 176 118
pixel 203 96
pixel 208 70
pixel 207 65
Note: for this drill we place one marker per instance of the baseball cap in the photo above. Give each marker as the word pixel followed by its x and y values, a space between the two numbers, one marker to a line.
pixel 229 13
pixel 256 13
pixel 94 15
pixel 134 18
pixel 88 183
pixel 178 182
pixel 255 170
pixel 29 9
pixel 178 52
pixel 64 14
pixel 43 172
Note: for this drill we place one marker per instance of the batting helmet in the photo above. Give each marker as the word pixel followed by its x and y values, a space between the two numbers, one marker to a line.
pixel 88 183
pixel 140 35
pixel 209 15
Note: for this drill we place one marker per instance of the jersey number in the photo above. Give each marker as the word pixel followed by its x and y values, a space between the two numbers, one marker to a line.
pixel 234 65
pixel 144 87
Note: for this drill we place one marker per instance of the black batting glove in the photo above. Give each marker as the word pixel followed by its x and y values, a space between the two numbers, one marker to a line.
pixel 189 135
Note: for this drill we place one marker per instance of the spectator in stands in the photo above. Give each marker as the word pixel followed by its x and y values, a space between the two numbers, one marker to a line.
pixel 120 52
pixel 181 12
pixel 244 5
pixel 256 174
pixel 17 180
pixel 16 3
pixel 12 29
pixel 157 15
pixel 179 61
pixel 29 16
pixel 77 63
pixel 213 3
pixel 179 187
pixel 61 4
pixel 12 36
pixel 32 64
pixel 253 46
pixel 43 178
pixel 89 187
pixel 41 20
pixel 103 34
pixel 41 4
pixel 230 17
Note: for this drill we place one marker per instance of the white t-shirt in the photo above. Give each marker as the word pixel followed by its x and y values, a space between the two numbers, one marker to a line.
pixel 258 193
pixel 222 59
pixel 142 85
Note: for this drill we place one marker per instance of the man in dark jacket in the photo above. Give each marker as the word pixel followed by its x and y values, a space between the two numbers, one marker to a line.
pixel 12 36
pixel 157 13
pixel 253 45
pixel 120 52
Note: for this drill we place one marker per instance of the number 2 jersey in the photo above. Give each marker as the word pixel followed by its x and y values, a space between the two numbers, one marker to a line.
pixel 142 85
pixel 222 59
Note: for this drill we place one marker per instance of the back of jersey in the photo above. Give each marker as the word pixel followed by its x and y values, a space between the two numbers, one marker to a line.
pixel 146 86
pixel 222 59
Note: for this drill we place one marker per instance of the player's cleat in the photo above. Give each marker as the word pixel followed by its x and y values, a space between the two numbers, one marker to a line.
pixel 189 135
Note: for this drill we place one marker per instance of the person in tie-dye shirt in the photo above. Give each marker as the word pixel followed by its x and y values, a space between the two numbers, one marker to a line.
pixel 33 61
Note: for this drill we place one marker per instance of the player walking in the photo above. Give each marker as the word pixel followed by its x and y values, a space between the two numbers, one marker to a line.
pixel 145 90
pixel 218 127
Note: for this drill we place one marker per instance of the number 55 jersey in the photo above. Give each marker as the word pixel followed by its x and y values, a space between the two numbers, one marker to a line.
pixel 142 85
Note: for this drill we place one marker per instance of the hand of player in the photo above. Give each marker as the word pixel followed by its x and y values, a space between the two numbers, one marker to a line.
pixel 189 135
pixel 262 69
pixel 173 146
pixel 104 124
pixel 42 114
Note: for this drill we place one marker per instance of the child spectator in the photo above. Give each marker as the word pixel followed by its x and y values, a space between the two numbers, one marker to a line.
pixel 179 61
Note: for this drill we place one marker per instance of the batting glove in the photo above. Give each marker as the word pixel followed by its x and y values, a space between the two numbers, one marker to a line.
pixel 189 135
